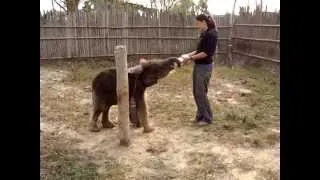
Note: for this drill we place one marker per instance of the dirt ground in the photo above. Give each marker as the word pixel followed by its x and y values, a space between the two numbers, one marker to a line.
pixel 242 143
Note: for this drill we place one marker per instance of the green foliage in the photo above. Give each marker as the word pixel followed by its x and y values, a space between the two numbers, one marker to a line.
pixel 202 5
pixel 179 6
pixel 185 6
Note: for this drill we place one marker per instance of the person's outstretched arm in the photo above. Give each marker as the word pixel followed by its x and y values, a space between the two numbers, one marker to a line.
pixel 192 53
pixel 185 58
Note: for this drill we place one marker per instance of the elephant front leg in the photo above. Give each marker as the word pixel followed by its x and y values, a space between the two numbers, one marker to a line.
pixel 143 114
pixel 134 119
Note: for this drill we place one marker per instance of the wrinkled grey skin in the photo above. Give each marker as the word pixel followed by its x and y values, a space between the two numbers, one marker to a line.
pixel 140 77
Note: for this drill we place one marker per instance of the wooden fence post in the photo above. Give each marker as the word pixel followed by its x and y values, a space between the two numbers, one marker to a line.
pixel 159 31
pixel 125 32
pixel 69 33
pixel 120 53
pixel 231 23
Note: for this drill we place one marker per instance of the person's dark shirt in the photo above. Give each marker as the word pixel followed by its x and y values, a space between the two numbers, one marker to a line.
pixel 207 44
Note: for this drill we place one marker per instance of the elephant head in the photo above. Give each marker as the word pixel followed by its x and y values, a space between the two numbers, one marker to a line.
pixel 150 71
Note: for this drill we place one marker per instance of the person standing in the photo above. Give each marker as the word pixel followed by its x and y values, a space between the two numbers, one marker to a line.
pixel 202 59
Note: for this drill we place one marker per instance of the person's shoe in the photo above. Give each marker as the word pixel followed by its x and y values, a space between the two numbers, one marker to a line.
pixel 204 123
pixel 196 120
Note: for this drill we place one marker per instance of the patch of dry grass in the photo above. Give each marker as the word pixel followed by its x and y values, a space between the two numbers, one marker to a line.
pixel 205 166
pixel 256 112
pixel 154 168
pixel 59 160
pixel 82 74
pixel 268 174
pixel 171 106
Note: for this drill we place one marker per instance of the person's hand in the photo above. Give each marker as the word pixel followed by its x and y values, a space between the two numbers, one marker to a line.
pixel 186 56
pixel 187 62
pixel 186 59
pixel 181 59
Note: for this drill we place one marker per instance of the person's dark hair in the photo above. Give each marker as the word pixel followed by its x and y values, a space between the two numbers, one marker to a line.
pixel 210 22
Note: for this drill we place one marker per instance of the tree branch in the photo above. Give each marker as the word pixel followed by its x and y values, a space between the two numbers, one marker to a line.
pixel 171 4
pixel 60 5
pixel 52 3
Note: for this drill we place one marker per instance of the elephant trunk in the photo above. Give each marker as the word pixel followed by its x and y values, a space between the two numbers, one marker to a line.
pixel 175 60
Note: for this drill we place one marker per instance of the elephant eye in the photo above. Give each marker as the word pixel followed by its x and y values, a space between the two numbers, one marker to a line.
pixel 173 66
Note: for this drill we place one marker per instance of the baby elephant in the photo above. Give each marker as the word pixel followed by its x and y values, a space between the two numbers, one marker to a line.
pixel 104 93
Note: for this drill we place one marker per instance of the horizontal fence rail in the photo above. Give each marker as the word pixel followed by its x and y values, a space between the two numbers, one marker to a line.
pixel 256 56
pixel 132 27
pixel 131 54
pixel 256 42
pixel 259 25
pixel 129 37
pixel 257 39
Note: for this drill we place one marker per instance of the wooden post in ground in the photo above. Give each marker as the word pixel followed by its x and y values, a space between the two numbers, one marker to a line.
pixel 120 53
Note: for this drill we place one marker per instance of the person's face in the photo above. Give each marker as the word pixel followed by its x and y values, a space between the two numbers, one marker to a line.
pixel 201 25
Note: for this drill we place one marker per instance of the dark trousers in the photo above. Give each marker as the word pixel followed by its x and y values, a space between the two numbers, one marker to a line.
pixel 201 77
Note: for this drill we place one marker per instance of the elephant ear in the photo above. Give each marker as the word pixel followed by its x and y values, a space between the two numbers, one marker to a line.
pixel 135 69
pixel 138 68
pixel 143 62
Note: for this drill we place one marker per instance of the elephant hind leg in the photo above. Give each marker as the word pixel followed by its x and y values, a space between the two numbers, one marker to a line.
pixel 96 111
pixel 93 127
pixel 105 118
